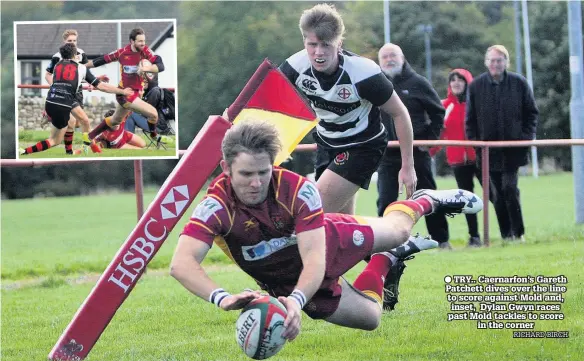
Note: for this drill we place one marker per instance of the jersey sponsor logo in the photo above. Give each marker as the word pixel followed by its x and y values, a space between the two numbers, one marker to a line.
pixel 175 201
pixel 267 248
pixel 130 69
pixel 206 209
pixel 334 107
pixel 342 158
pixel 344 92
pixel 309 194
pixel 249 224
pixel 308 85
pixel 358 238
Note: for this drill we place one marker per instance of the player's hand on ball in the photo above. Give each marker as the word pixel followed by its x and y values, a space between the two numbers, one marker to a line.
pixel 238 301
pixel 292 322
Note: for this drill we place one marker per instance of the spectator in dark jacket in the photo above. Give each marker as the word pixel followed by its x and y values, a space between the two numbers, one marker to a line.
pixel 500 106
pixel 427 115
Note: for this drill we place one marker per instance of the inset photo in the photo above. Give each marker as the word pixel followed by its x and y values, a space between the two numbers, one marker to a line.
pixel 104 89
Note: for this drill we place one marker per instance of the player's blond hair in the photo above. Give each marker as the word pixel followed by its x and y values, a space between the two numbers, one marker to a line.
pixel 252 137
pixel 501 49
pixel 68 33
pixel 325 21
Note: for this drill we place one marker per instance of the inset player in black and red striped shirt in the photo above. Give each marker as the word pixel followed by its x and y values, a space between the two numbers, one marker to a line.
pixel 62 99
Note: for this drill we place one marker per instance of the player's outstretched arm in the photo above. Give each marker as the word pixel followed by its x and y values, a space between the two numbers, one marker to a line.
pixel 312 248
pixel 186 268
pixel 405 135
pixel 104 59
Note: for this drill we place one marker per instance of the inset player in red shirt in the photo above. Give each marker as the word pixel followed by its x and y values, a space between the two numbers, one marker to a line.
pixel 132 70
pixel 270 222
pixel 119 137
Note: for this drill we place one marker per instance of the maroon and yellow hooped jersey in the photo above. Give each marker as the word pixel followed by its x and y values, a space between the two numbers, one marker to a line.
pixel 261 239
pixel 129 61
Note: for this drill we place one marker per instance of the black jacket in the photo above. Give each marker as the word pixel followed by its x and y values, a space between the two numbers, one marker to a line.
pixel 501 111
pixel 423 103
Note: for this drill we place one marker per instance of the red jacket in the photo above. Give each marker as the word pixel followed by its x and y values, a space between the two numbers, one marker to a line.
pixel 454 126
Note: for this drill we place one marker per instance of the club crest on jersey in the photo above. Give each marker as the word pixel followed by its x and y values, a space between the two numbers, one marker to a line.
pixel 309 194
pixel 358 237
pixel 278 222
pixel 344 93
pixel 206 209
pixel 342 158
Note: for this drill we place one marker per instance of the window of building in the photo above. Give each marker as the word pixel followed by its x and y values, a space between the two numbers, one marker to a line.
pixel 30 72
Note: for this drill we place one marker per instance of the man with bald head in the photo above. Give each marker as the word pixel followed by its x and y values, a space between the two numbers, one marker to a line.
pixel 427 115
pixel 500 106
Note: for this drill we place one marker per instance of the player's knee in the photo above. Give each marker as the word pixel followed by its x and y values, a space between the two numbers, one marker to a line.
pixel 371 323
pixel 402 231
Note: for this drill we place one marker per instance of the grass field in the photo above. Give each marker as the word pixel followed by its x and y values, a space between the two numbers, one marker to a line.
pixel 54 248
pixel 26 138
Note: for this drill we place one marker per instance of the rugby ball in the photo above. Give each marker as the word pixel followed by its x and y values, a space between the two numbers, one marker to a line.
pixel 259 328
pixel 147 76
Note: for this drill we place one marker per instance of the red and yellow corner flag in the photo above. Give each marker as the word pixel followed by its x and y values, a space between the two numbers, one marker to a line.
pixel 269 96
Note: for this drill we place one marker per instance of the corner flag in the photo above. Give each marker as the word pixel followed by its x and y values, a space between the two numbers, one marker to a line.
pixel 267 96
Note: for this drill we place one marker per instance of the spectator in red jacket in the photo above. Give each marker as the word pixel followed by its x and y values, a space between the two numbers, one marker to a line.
pixel 461 159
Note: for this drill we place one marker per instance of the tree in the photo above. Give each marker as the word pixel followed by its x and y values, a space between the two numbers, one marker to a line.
pixel 226 42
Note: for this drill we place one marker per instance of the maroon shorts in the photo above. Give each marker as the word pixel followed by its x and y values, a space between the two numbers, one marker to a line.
pixel 349 239
pixel 127 100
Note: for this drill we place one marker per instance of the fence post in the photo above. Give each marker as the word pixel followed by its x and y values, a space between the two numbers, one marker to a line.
pixel 486 188
pixel 139 187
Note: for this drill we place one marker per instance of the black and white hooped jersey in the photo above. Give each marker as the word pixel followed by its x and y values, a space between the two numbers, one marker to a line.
pixel 347 101
pixel 81 58
pixel 67 78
